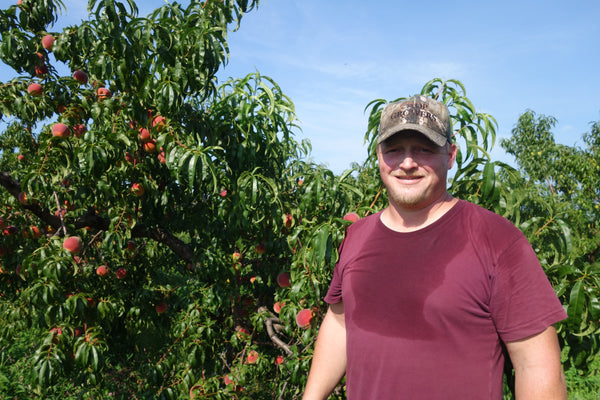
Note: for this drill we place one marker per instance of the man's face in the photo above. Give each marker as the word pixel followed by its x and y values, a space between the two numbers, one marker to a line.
pixel 414 170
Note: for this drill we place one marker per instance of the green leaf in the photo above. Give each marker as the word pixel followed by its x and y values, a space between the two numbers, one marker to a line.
pixel 576 306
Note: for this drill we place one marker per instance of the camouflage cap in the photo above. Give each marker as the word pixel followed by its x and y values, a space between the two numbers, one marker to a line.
pixel 418 113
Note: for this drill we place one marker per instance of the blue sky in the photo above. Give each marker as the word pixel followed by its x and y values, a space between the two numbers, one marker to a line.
pixel 333 57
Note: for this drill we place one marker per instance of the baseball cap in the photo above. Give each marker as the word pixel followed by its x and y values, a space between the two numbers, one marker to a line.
pixel 418 113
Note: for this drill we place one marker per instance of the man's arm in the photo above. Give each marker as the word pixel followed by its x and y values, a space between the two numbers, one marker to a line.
pixel 329 359
pixel 538 371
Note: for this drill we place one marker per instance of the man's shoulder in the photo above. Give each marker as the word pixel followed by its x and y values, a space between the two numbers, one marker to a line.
pixel 485 219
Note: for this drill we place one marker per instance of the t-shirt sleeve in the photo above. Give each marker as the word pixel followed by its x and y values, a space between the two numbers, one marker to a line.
pixel 334 293
pixel 523 302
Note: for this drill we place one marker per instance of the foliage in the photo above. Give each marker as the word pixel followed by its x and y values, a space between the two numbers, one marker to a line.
pixel 561 187
pixel 193 201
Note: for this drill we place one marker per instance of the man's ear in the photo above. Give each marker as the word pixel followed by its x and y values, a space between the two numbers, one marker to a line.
pixel 452 150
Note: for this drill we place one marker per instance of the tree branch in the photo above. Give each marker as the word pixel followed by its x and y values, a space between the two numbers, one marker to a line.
pixel 91 219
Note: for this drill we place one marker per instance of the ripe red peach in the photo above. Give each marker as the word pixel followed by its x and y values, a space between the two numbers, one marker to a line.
pixel 252 357
pixel 351 216
pixel 73 244
pixel 283 279
pixel 304 318
pixel 103 93
pixel 138 189
pixel 102 270
pixel 61 130
pixel 121 273
pixel 35 89
pixel 47 42
pixel 79 130
pixel 80 76
pixel 161 307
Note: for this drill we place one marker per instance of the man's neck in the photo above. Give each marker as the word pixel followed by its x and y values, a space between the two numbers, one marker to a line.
pixel 408 220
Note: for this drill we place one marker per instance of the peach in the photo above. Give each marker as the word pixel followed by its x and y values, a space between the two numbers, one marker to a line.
pixel 150 146
pixel 60 130
pixel 252 357
pixel 158 122
pixel 35 89
pixel 102 270
pixel 41 70
pixel 103 93
pixel 73 244
pixel 260 248
pixel 47 42
pixel 79 130
pixel 144 135
pixel 242 333
pixel 138 189
pixel 351 216
pixel 304 318
pixel 288 220
pixel 283 279
pixel 162 157
pixel 80 76
pixel 32 232
pixel 161 307
pixel 278 306
pixel 22 197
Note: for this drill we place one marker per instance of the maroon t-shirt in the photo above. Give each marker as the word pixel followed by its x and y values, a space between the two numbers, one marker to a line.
pixel 426 311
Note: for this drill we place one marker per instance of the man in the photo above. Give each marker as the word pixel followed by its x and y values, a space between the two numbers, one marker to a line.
pixel 431 293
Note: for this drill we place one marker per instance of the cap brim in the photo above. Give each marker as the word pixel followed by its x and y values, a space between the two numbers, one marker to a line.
pixel 430 134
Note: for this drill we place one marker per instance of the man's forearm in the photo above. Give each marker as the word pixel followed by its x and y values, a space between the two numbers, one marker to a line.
pixel 329 359
pixel 532 385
